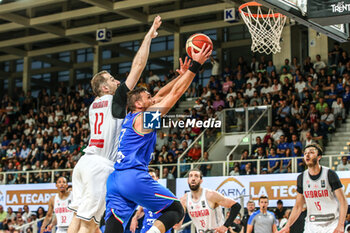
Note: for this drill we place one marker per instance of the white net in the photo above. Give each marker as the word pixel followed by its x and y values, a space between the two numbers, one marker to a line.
pixel 265 29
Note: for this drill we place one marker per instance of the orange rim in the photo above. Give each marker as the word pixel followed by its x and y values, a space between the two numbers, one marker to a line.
pixel 241 7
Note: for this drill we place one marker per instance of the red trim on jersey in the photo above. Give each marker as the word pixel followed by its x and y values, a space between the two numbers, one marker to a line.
pixel 99 143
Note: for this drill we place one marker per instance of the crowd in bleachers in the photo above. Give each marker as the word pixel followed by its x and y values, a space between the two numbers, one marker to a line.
pixel 11 221
pixel 309 99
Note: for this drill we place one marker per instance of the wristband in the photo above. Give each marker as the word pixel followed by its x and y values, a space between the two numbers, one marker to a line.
pixel 233 214
pixel 195 67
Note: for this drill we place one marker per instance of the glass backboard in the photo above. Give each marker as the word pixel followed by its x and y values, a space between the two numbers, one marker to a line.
pixel 297 10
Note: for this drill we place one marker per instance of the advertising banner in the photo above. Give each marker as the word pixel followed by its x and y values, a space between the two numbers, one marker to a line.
pixel 33 195
pixel 276 187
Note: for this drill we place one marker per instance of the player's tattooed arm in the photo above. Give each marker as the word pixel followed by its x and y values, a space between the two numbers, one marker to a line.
pixel 141 57
pixel 167 88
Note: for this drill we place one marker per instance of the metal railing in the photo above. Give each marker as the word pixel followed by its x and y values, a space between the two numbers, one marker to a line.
pixel 201 138
pixel 35 230
pixel 222 168
pixel 249 132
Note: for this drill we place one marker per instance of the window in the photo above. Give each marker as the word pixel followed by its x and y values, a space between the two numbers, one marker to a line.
pixel 84 55
pixel 63 76
pixel 19 65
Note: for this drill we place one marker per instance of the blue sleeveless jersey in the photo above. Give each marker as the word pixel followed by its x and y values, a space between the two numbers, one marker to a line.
pixel 135 149
pixel 149 219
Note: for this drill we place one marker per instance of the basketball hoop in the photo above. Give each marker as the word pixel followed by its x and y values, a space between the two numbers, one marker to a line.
pixel 265 29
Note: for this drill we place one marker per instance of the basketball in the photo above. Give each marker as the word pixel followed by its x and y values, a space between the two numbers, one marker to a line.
pixel 196 41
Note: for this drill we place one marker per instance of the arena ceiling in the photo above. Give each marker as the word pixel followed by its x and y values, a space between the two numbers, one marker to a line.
pixel 36 28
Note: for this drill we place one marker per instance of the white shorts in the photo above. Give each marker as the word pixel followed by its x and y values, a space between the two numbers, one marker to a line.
pixel 320 228
pixel 89 187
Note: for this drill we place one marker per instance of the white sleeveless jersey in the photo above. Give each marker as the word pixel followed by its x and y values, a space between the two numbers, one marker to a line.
pixel 64 216
pixel 322 205
pixel 204 218
pixel 104 129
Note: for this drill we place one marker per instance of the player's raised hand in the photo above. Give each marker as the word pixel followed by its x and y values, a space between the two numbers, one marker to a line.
pixel 184 66
pixel 156 24
pixel 221 229
pixel 202 55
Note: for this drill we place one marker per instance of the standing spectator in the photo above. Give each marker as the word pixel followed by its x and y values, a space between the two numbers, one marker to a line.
pixel 344 165
pixel 206 168
pixel 215 70
pixel 319 64
pixel 262 220
pixel 250 211
pixel 279 211
pixel 335 54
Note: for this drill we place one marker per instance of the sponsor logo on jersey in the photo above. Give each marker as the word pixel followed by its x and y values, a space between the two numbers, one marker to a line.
pixel 323 183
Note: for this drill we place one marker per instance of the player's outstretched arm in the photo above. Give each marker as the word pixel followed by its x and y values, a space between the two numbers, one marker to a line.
pixel 141 57
pixel 183 83
pixel 48 216
pixel 343 208
pixel 297 209
pixel 219 199
pixel 183 201
pixel 167 88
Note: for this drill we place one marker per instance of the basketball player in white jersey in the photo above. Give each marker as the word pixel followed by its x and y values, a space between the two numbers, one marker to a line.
pixel 204 206
pixel 106 114
pixel 321 190
pixel 59 205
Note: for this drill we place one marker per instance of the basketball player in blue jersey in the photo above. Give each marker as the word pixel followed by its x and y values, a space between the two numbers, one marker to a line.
pixel 130 184
pixel 149 217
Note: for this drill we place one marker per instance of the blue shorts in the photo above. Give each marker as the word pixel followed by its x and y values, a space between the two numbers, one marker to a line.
pixel 129 188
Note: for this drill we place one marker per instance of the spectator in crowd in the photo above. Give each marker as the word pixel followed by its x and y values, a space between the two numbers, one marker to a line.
pixel 3 216
pixel 279 210
pixel 206 168
pixel 274 163
pixel 318 65
pixel 344 165
pixel 250 211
